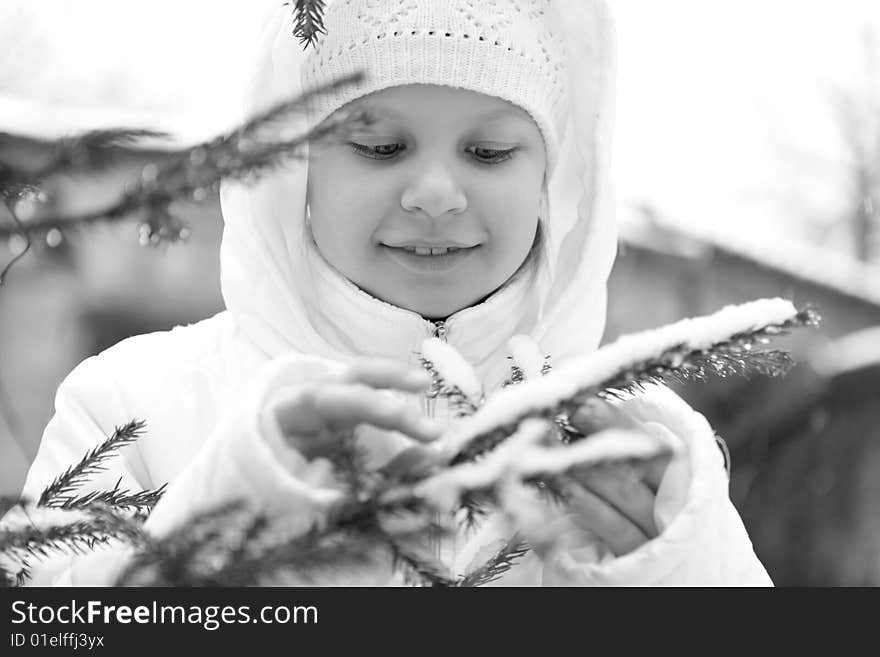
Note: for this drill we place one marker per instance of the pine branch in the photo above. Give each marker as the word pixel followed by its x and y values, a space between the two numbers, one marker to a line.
pixel 735 356
pixel 303 560
pixel 476 507
pixel 500 563
pixel 7 579
pixel 458 400
pixel 308 21
pixel 24 574
pixel 63 487
pixel 141 501
pixel 78 537
pixel 174 559
pixel 416 571
pixel 349 463
pixel 243 154
pixel 91 151
pixel 732 355
pixel 517 375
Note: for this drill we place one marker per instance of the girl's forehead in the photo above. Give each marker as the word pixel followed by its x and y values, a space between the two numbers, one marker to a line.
pixel 418 102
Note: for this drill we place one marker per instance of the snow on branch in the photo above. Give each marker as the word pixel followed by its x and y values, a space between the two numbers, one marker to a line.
pixel 721 343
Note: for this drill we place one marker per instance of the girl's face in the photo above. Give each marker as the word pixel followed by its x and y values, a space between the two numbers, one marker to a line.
pixel 438 168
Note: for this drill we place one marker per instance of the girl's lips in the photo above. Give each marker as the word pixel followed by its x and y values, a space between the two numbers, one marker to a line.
pixel 437 264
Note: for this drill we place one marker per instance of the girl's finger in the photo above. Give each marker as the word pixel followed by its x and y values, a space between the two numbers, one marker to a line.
pixel 592 513
pixel 621 488
pixel 653 471
pixel 387 373
pixel 416 461
pixel 345 405
pixel 597 414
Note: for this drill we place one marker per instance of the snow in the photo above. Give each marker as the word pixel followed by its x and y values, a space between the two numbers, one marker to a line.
pixel 444 490
pixel 509 404
pixel 527 355
pixel 521 456
pixel 608 445
pixel 454 369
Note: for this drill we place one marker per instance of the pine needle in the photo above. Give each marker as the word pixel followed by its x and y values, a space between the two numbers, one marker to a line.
pixel 238 155
pixel 735 355
pixel 502 561
pixel 457 399
pixel 78 537
pixel 416 571
pixel 92 463
pixel 141 501
pixel 308 21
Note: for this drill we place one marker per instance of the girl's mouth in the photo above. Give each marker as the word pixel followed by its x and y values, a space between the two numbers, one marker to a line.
pixel 421 259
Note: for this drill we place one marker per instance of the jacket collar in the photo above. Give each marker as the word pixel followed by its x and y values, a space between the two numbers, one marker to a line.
pixel 357 323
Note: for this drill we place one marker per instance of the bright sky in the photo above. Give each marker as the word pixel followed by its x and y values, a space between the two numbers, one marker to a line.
pixel 722 110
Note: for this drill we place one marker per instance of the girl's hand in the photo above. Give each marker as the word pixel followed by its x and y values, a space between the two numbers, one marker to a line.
pixel 615 501
pixel 314 418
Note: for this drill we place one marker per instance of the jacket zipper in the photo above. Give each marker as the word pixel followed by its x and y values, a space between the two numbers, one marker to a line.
pixel 439 330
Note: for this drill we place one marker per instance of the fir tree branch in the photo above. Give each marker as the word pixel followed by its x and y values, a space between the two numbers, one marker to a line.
pixel 734 355
pixel 500 563
pixel 24 573
pixel 243 154
pixel 303 560
pixel 457 399
pixel 308 21
pixel 141 501
pixel 62 488
pixel 91 151
pixel 7 579
pixel 416 571
pixel 78 537
pixel 173 560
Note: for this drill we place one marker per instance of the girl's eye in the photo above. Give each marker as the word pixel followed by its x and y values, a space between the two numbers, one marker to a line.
pixel 379 151
pixel 491 155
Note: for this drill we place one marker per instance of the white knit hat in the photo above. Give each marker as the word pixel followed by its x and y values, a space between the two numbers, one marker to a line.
pixel 504 48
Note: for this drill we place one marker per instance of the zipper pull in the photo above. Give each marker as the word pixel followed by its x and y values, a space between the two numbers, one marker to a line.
pixel 439 331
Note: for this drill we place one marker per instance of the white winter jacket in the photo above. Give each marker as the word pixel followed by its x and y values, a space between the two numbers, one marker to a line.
pixel 291 318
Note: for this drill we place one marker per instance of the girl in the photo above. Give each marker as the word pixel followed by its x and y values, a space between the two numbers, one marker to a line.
pixel 475 208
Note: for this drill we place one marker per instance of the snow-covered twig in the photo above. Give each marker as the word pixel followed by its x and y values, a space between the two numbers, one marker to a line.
pixel 453 376
pixel 631 361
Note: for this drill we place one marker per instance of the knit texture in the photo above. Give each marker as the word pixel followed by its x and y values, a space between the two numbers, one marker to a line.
pixel 504 48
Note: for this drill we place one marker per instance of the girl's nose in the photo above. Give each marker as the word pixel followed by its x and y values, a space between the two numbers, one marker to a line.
pixel 434 191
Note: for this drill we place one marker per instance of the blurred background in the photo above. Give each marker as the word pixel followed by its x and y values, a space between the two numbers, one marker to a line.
pixel 747 165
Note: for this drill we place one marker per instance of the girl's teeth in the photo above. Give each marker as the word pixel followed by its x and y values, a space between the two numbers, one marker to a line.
pixel 431 250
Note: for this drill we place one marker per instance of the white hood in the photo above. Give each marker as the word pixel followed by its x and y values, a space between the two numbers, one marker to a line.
pixel 286 297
